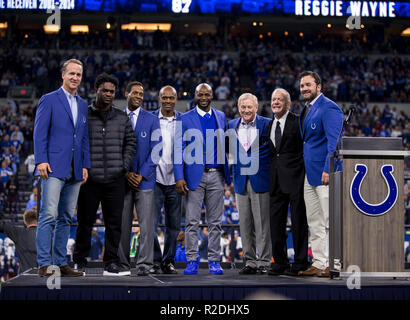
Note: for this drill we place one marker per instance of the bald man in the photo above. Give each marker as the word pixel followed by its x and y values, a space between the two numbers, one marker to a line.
pixel 200 177
pixel 165 192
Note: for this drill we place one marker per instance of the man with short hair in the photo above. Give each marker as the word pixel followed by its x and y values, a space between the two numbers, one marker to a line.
pixel 200 176
pixel 112 149
pixel 287 174
pixel 141 181
pixel 24 238
pixel 61 151
pixel 165 191
pixel 320 122
pixel 251 184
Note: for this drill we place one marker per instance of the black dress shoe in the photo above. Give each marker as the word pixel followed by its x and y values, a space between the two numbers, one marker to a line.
pixel 142 271
pixel 277 269
pixel 248 270
pixel 263 270
pixel 155 269
pixel 168 269
pixel 294 270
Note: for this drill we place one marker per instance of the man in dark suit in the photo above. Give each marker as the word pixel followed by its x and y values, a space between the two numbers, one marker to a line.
pixel 287 174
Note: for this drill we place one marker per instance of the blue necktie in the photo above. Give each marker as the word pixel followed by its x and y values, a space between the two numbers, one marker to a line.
pixel 207 116
pixel 132 120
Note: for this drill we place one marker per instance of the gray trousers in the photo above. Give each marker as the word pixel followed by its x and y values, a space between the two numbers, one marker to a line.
pixel 211 192
pixel 143 200
pixel 254 223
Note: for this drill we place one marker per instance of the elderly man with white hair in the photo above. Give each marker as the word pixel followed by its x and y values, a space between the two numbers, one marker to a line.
pixel 251 184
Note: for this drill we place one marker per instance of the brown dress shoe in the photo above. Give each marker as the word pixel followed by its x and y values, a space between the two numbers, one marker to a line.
pixel 42 272
pixel 311 271
pixel 66 271
pixel 324 273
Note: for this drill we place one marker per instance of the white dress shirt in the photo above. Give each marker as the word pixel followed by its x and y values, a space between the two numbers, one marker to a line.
pixel 247 133
pixel 72 102
pixel 282 122
pixel 165 168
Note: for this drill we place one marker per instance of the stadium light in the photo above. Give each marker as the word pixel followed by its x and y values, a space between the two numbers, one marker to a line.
pixel 286 33
pixel 3 25
pixel 166 27
pixel 405 32
pixel 254 23
pixel 108 26
pixel 79 29
pixel 51 28
pixel 329 25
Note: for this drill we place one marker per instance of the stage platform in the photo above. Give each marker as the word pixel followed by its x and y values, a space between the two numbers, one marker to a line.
pixel 230 286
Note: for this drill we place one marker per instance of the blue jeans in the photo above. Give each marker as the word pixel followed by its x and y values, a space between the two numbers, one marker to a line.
pixel 59 198
pixel 169 197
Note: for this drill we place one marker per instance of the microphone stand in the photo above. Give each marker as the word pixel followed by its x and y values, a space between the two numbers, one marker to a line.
pixel 346 121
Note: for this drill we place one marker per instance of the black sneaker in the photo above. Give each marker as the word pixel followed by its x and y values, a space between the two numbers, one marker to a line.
pixel 124 271
pixel 112 270
pixel 248 270
pixel 168 269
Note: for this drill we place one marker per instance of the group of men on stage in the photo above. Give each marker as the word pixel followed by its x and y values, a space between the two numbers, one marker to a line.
pixel 126 159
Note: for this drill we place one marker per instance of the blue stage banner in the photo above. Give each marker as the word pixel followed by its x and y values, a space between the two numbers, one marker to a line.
pixel 384 9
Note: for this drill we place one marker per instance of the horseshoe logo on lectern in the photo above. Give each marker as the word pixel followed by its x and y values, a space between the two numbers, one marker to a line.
pixel 379 208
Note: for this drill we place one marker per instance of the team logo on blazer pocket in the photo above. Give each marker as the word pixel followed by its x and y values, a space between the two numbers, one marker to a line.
pixel 313 126
pixel 143 134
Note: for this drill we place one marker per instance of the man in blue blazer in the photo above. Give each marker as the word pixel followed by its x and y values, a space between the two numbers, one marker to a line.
pixel 61 150
pixel 201 169
pixel 141 182
pixel 165 192
pixel 320 123
pixel 251 184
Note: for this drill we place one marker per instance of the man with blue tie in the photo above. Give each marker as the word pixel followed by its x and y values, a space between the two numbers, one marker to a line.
pixel 61 149
pixel 141 181
pixel 165 191
pixel 251 184
pixel 201 169
pixel 320 123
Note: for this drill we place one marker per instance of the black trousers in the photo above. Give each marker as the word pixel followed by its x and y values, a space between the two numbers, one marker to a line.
pixel 279 203
pixel 111 196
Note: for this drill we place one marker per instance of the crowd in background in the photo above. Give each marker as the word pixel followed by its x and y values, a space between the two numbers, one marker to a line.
pixel 353 69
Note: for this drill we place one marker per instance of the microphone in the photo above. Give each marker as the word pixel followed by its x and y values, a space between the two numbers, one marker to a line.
pixel 352 109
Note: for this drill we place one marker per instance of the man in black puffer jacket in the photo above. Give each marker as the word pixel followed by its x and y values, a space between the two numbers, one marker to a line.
pixel 112 149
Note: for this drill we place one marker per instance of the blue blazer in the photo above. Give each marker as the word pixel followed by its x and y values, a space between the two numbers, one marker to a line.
pixel 260 179
pixel 56 140
pixel 320 131
pixel 149 148
pixel 192 173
